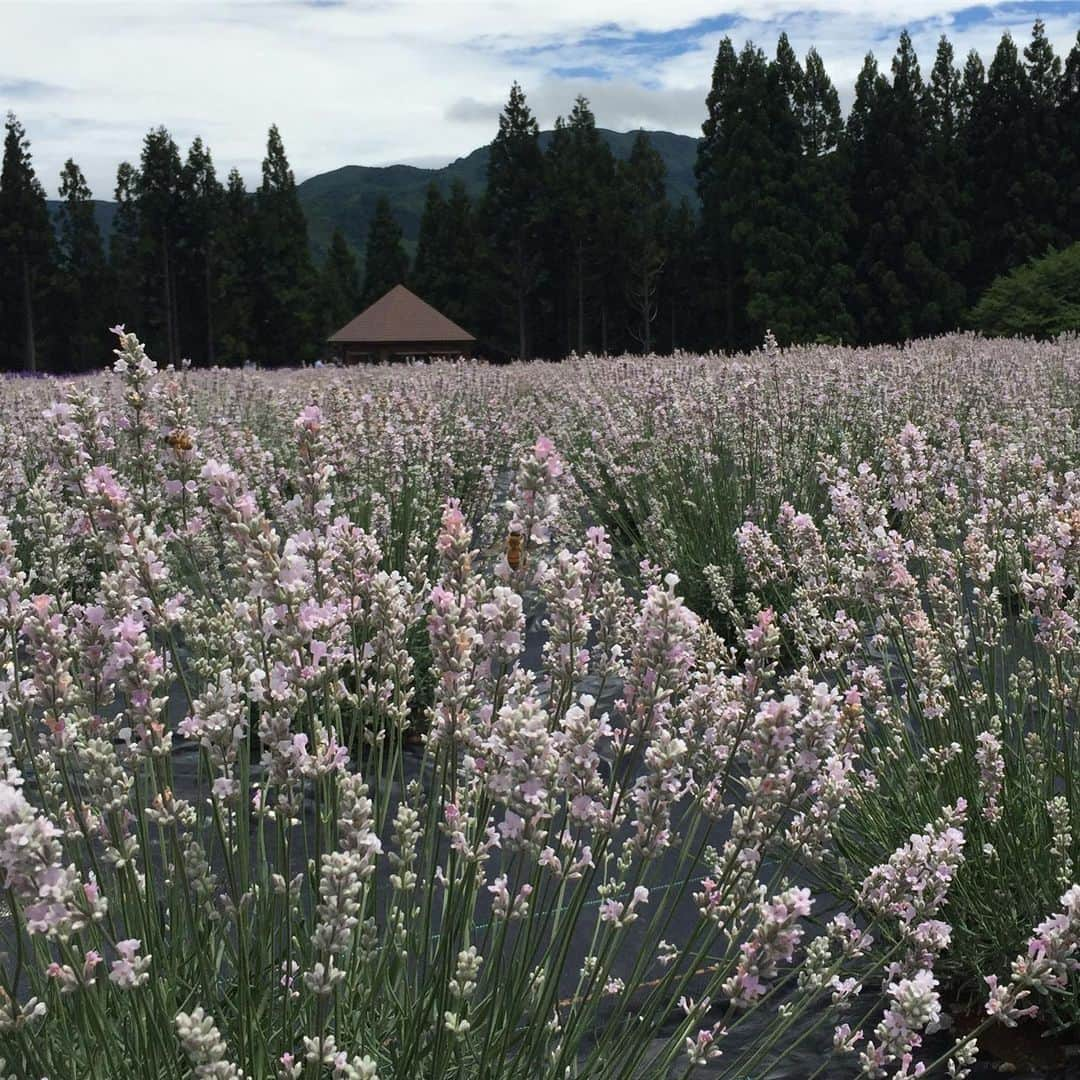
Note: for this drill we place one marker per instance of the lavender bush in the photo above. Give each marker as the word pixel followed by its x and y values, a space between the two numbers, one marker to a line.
pixel 945 583
pixel 285 794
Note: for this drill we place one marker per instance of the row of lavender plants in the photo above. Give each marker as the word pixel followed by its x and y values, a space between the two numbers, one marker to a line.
pixel 909 516
pixel 625 719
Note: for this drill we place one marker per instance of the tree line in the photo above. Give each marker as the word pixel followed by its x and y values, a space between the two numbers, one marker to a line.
pixel 205 270
pixel 884 225
pixel 892 224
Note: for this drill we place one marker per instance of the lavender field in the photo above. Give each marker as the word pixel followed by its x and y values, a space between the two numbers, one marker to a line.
pixel 629 717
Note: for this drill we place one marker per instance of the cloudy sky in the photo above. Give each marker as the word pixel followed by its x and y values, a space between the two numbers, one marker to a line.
pixel 421 81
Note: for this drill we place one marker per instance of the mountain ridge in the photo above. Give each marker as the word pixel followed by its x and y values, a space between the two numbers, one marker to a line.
pixel 345 197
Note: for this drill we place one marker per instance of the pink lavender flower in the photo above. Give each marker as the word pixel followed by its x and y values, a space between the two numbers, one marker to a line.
pixel 773 940
pixel 913 885
pixel 991 772
pixel 130 970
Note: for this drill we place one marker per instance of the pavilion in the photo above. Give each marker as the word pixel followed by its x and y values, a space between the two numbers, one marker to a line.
pixel 400 326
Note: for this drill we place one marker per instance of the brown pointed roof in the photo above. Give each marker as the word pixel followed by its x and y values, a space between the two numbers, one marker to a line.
pixel 400 316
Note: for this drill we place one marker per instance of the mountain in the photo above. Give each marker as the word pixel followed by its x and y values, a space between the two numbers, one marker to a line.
pixel 104 212
pixel 345 198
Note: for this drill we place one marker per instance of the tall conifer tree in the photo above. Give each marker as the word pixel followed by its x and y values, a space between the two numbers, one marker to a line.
pixel 85 287
pixel 459 296
pixel 555 234
pixel 685 268
pixel 642 179
pixel 26 252
pixel 901 290
pixel 282 300
pixel 124 248
pixel 201 203
pixel 949 244
pixel 427 270
pixel 972 85
pixel 1069 118
pixel 444 271
pixel 773 221
pixel 725 279
pixel 513 187
pixel 1007 229
pixel 237 271
pixel 157 192
pixel 385 261
pixel 340 284
pixel 827 277
pixel 580 187
pixel 1046 149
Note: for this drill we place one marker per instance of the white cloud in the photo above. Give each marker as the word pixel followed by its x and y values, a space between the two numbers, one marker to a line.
pixel 377 81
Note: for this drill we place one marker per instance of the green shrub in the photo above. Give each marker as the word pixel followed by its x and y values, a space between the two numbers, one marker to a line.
pixel 1041 299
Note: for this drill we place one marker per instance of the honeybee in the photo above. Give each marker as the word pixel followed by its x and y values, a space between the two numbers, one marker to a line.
pixel 1074 524
pixel 179 440
pixel 515 550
